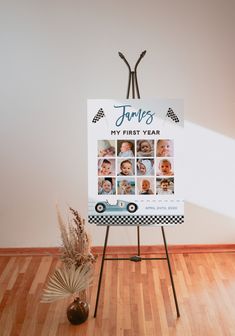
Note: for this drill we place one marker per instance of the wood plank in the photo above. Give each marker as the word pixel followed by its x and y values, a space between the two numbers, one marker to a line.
pixel 123 249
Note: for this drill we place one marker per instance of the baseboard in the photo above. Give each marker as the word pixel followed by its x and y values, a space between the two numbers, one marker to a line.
pixel 145 249
pixel 30 251
pixel 151 249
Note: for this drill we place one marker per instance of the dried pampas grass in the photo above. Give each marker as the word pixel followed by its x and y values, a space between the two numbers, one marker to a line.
pixel 76 249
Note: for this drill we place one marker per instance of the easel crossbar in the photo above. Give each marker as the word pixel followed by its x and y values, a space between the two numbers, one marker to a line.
pixel 141 258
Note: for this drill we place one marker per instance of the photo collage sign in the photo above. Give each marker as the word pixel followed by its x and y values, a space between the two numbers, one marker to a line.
pixel 135 162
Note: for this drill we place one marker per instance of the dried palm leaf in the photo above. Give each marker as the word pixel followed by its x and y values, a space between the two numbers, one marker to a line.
pixel 67 281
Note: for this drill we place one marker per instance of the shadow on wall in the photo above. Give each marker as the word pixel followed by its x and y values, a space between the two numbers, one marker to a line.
pixel 209 170
pixel 203 225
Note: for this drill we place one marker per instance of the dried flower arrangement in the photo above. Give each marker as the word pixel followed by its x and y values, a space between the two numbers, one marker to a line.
pixel 76 241
pixel 76 273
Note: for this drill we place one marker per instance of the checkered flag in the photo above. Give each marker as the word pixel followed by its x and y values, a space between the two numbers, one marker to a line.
pixel 98 116
pixel 171 114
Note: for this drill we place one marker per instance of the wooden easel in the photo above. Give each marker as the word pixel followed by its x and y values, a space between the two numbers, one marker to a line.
pixel 133 83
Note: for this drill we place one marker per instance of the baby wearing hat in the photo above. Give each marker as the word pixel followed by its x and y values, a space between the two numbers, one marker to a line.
pixel 144 167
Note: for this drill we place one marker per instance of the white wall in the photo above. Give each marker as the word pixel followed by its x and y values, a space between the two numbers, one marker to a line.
pixel 57 53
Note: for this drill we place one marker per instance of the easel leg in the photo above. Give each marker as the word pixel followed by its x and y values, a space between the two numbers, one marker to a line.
pixel 101 270
pixel 138 239
pixel 171 276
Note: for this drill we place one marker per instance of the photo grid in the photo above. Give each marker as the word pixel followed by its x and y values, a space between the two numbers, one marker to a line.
pixel 135 167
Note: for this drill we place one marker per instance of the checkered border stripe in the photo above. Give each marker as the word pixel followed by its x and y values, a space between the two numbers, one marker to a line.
pixel 136 220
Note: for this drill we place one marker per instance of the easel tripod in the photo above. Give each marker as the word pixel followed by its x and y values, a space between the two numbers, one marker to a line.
pixel 133 83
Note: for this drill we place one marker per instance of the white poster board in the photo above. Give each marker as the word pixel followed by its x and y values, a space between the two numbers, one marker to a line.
pixel 135 162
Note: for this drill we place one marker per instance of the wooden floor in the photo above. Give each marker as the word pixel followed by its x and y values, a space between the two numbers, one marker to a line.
pixel 136 298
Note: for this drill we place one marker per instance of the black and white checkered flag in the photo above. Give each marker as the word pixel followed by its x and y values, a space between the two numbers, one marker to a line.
pixel 171 114
pixel 98 116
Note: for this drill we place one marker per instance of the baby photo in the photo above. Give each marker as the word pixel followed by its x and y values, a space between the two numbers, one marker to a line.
pixel 106 167
pixel 164 167
pixel 126 186
pixel 165 186
pixel 145 148
pixel 107 186
pixel 165 148
pixel 126 148
pixel 145 186
pixel 106 148
pixel 125 167
pixel 145 167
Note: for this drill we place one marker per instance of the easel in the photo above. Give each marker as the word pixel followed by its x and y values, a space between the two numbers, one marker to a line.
pixel 133 80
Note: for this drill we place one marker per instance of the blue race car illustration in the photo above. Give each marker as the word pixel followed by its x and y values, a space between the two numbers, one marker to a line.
pixel 119 206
